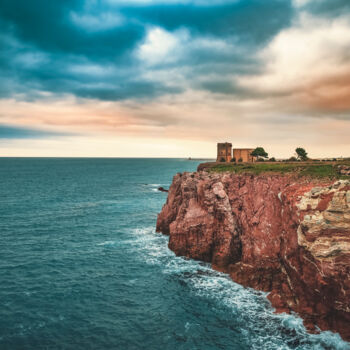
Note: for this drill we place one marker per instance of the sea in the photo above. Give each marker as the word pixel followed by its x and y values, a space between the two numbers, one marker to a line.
pixel 81 267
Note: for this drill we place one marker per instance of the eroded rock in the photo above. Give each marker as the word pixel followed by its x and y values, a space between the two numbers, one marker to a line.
pixel 344 170
pixel 270 232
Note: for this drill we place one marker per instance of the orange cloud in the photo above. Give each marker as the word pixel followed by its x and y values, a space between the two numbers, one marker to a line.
pixel 329 94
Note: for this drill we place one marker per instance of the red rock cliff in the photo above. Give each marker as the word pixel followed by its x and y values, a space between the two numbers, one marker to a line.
pixel 271 232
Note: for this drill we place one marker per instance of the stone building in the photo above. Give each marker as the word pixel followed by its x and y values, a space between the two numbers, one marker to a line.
pixel 244 154
pixel 226 153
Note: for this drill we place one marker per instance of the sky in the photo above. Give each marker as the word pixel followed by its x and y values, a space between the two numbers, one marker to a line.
pixel 151 78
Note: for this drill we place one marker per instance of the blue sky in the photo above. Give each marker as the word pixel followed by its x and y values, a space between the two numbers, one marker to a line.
pixel 99 77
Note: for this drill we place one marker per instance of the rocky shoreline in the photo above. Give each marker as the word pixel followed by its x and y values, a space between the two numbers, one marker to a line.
pixel 286 236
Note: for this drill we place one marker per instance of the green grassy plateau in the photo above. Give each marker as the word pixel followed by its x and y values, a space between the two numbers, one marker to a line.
pixel 300 169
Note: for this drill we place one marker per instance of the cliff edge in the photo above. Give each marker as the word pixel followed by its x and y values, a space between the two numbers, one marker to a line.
pixel 272 232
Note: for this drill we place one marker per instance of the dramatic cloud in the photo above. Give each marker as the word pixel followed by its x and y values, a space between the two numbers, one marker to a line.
pixel 248 21
pixel 104 50
pixel 187 70
pixel 309 64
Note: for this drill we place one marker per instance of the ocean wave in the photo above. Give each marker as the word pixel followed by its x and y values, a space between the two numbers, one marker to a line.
pixel 107 243
pixel 263 329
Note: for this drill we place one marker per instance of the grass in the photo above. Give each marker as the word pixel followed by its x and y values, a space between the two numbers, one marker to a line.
pixel 307 169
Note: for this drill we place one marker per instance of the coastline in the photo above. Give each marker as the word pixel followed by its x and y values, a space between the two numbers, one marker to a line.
pixel 273 232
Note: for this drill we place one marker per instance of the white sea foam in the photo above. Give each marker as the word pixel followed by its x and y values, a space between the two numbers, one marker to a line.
pixel 263 328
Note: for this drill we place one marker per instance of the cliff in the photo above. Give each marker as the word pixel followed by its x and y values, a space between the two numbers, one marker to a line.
pixel 276 233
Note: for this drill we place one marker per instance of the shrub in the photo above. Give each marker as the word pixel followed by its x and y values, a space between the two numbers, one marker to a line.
pixel 273 159
pixel 259 152
pixel 240 160
pixel 233 160
pixel 222 160
pixel 292 159
pixel 302 154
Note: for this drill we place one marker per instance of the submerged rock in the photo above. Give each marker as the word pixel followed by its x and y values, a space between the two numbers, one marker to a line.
pixel 271 232
pixel 162 189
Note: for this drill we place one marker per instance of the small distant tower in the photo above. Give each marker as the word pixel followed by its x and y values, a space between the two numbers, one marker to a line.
pixel 224 152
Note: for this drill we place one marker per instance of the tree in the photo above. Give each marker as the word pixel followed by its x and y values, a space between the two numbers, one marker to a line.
pixel 259 152
pixel 301 153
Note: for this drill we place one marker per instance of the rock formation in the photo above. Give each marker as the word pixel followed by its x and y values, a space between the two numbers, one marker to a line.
pixel 276 233
pixel 344 170
pixel 162 189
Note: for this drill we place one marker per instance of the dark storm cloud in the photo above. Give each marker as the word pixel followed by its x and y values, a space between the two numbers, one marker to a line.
pixel 223 87
pixel 255 21
pixel 48 26
pixel 136 89
pixel 329 8
pixel 13 132
pixel 42 40
pixel 228 87
pixel 80 79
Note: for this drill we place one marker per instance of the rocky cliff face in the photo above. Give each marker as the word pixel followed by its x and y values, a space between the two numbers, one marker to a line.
pixel 271 232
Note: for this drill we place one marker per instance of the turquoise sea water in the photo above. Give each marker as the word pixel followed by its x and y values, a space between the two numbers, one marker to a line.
pixel 81 267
